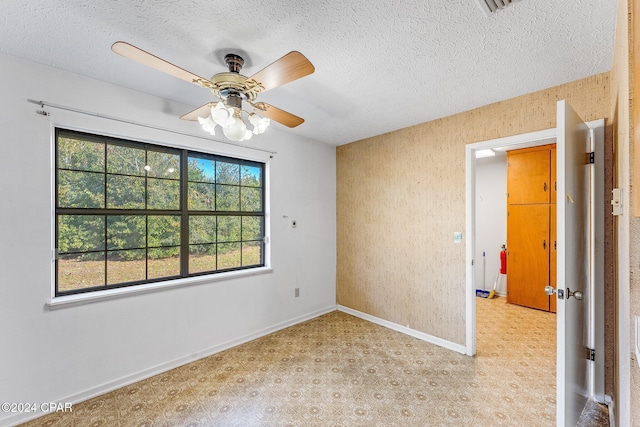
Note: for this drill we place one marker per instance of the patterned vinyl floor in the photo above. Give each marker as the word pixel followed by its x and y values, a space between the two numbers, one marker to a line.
pixel 339 370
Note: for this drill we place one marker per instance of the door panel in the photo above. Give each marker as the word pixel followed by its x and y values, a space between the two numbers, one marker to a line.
pixel 528 255
pixel 572 264
pixel 528 176
pixel 554 180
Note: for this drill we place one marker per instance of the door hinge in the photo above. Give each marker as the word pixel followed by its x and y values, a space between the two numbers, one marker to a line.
pixel 592 157
pixel 592 354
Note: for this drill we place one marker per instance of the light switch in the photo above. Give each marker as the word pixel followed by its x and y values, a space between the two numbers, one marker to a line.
pixel 638 340
pixel 457 237
pixel 616 201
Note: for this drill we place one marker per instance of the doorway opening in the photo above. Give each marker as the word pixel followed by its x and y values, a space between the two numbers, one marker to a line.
pixel 498 230
pixel 516 332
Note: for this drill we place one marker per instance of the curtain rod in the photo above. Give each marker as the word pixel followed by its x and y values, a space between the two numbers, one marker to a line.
pixel 43 104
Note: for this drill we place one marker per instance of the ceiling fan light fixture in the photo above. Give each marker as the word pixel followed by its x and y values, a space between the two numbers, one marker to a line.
pixel 260 124
pixel 230 120
pixel 237 131
pixel 222 115
pixel 208 125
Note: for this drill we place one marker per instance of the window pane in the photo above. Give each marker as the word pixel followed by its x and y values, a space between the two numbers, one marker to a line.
pixel 163 194
pixel 251 176
pixel 251 199
pixel 163 165
pixel 202 229
pixel 80 155
pixel 202 258
pixel 126 266
pixel 125 192
pixel 80 189
pixel 126 160
pixel 202 196
pixel 227 198
pixel 126 232
pixel 164 262
pixel 79 272
pixel 251 253
pixel 228 255
pixel 80 233
pixel 201 170
pixel 164 230
pixel 251 228
pixel 227 173
pixel 229 229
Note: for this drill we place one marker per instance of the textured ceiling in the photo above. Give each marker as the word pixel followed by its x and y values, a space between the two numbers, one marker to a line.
pixel 380 65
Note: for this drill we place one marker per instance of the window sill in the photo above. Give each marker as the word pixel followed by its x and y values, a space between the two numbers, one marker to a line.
pixel 89 297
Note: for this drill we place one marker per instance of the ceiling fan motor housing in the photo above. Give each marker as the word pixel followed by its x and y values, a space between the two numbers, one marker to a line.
pixel 234 62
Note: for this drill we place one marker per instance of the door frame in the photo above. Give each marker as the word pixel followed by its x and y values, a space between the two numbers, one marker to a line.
pixel 596 327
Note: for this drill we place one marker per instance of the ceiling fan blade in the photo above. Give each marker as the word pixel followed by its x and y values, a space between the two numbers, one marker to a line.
pixel 203 112
pixel 290 67
pixel 280 116
pixel 130 51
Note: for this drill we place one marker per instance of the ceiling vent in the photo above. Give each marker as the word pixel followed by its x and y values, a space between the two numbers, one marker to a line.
pixel 492 6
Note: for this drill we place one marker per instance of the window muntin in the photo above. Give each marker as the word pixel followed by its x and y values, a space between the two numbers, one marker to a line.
pixel 129 213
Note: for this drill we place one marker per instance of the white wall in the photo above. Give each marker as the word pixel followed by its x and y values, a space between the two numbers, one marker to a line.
pixel 491 220
pixel 73 352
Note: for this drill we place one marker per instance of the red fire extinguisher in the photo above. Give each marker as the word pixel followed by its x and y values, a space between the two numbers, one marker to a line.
pixel 503 260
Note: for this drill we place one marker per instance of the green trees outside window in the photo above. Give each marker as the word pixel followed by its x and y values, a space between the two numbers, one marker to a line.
pixel 129 213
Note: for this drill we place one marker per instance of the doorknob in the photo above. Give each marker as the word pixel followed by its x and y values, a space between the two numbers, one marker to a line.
pixel 550 290
pixel 576 294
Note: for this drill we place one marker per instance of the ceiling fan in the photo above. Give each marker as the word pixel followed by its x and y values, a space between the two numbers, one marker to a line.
pixel 232 89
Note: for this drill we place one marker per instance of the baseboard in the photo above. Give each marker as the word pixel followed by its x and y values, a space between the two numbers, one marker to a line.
pixel 407 331
pixel 18 418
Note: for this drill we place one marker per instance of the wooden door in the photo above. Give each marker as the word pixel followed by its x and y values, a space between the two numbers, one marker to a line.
pixel 552 254
pixel 528 255
pixel 528 176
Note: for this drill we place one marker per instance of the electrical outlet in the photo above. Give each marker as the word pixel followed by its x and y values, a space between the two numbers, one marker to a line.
pixel 296 292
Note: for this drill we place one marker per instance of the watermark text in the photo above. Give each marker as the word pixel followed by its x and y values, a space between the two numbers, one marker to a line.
pixel 21 407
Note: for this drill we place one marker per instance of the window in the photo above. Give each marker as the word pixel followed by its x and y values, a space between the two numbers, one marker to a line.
pixel 129 213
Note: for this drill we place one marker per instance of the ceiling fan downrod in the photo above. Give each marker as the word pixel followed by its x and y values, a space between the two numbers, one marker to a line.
pixel 233 98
